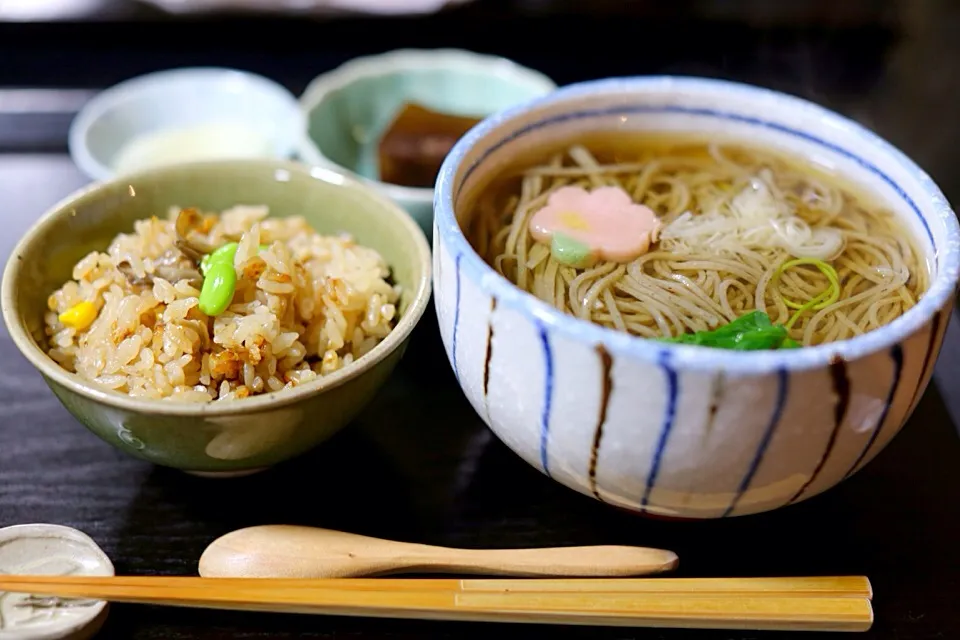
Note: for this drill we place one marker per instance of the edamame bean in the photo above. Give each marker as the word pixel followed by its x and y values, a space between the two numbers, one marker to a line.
pixel 219 285
pixel 224 254
pixel 219 279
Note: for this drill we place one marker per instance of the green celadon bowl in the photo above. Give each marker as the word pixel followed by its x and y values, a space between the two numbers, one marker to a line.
pixel 233 437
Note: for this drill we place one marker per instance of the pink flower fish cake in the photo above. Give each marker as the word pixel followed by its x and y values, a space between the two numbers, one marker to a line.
pixel 583 227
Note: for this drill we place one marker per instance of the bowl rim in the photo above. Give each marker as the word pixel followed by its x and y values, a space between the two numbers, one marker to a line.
pixel 103 101
pixel 267 401
pixel 692 357
pixel 391 62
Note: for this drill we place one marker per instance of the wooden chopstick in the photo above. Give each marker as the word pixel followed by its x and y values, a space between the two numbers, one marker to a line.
pixel 827 604
pixel 837 586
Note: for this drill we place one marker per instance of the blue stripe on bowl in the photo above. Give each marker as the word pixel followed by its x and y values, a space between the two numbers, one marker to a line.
pixel 669 414
pixel 547 398
pixel 896 354
pixel 783 385
pixel 712 113
pixel 840 381
pixel 456 316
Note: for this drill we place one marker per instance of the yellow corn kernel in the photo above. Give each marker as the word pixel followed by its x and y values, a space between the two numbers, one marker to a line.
pixel 79 316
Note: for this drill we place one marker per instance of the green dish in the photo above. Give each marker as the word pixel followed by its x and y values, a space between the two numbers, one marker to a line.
pixel 348 109
pixel 217 438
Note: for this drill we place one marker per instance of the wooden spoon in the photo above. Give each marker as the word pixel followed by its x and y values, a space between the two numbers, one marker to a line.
pixel 281 551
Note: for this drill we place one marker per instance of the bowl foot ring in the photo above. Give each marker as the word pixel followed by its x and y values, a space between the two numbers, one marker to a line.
pixel 223 475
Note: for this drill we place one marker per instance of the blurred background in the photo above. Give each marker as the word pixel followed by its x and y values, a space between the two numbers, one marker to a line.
pixel 893 65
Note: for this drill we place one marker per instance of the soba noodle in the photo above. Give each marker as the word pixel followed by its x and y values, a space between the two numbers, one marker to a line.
pixel 732 216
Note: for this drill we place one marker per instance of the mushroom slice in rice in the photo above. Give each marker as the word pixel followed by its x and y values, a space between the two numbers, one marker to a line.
pixel 172 266
pixel 188 221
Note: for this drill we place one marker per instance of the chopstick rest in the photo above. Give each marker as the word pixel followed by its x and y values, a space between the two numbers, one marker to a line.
pixel 52 550
pixel 281 551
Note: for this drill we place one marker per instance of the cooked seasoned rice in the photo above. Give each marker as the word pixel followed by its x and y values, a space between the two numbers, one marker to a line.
pixel 305 306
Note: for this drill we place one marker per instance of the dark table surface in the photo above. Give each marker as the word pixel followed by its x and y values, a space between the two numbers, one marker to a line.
pixel 419 465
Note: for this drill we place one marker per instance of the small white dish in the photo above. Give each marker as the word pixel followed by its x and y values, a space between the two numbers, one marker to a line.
pixel 184 115
pixel 54 550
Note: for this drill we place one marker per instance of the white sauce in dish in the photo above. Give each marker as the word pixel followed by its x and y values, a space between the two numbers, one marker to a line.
pixel 211 141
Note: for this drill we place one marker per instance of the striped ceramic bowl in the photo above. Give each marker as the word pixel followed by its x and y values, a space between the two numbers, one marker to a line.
pixel 684 431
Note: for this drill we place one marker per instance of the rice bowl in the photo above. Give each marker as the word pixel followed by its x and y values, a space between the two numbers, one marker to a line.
pixel 230 436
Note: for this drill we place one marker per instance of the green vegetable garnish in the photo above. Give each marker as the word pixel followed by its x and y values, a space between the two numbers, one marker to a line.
pixel 824 299
pixel 750 332
pixel 571 252
pixel 219 285
pixel 219 279
pixel 224 254
pixel 754 331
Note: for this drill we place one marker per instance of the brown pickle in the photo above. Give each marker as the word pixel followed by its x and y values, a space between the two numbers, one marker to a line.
pixel 416 142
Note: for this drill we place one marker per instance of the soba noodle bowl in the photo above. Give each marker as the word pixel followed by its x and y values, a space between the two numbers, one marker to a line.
pixel 732 219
